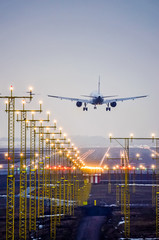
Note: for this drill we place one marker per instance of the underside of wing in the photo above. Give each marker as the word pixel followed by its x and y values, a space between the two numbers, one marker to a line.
pixel 123 99
pixel 71 99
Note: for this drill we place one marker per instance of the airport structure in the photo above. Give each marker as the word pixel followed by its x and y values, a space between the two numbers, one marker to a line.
pixel 53 178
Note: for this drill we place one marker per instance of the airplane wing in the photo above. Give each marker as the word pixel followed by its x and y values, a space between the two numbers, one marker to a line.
pixel 72 99
pixel 123 99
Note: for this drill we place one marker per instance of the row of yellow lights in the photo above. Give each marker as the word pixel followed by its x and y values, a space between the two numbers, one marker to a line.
pixel 132 135
pixel 57 140
pixel 116 167
pixel 137 155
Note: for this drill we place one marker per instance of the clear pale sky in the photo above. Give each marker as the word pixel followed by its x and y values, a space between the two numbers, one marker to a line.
pixel 61 48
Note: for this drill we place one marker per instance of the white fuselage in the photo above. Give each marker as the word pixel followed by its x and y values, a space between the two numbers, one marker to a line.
pixel 97 99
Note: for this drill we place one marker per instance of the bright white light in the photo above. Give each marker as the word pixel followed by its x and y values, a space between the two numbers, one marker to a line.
pixel 110 135
pixel 131 135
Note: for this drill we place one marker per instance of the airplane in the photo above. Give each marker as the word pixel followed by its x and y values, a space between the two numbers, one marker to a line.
pixel 96 98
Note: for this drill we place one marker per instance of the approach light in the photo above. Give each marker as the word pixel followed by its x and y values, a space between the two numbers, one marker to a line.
pixel 110 135
pixel 30 89
pixel 107 155
pixel 137 155
pixel 131 136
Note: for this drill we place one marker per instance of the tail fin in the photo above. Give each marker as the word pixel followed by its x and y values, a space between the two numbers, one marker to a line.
pixel 99 86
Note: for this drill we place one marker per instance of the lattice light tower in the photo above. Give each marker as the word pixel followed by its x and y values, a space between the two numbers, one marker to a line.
pixel 31 124
pixel 115 168
pixel 53 138
pixel 11 109
pixel 126 189
pixel 23 172
pixel 72 161
pixel 53 213
pixel 41 132
pixel 66 188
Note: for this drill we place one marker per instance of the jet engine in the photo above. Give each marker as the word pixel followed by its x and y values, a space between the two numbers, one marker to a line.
pixel 113 104
pixel 78 104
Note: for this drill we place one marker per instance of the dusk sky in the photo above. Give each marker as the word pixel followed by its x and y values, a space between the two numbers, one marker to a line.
pixel 61 48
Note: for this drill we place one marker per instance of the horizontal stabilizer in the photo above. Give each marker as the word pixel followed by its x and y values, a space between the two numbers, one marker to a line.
pixel 87 96
pixel 109 96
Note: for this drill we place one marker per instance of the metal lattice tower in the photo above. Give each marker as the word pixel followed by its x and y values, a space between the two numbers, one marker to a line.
pixel 126 187
pixel 33 168
pixel 153 189
pixel 43 166
pixel 59 202
pixel 53 213
pixel 109 181
pixel 67 196
pixel 32 200
pixel 122 199
pixel 41 175
pixel 117 189
pixel 53 162
pixel 157 165
pixel 134 181
pixel 126 191
pixel 10 177
pixel 63 196
pixel 69 192
pixel 23 172
pixel 157 214
pixel 47 167
pixel 73 198
pixel 117 195
pixel 157 188
pixel 10 109
pixel 76 191
pixel 127 212
pixel 23 180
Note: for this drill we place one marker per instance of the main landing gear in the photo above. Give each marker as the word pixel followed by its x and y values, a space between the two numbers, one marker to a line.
pixel 108 108
pixel 85 108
